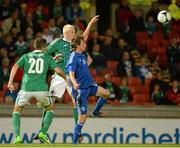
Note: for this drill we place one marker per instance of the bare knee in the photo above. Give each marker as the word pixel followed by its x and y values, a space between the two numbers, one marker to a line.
pixel 82 118
pixel 17 109
pixel 106 94
pixel 50 107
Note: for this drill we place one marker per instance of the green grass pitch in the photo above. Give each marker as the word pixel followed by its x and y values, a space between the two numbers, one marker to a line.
pixel 92 145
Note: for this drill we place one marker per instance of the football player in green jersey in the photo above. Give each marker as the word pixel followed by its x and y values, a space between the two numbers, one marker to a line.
pixel 62 49
pixel 35 65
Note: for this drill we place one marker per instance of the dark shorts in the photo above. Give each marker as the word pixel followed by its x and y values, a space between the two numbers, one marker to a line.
pixel 81 97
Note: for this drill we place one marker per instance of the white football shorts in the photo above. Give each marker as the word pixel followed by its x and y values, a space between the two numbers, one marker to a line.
pixel 57 87
pixel 42 98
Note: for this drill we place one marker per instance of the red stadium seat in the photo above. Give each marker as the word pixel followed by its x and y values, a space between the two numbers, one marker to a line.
pixel 158 36
pixel 161 50
pixel 140 35
pixel 92 99
pixel 166 43
pixel 45 11
pixel 105 71
pixel 112 65
pixel 133 81
pixel 173 34
pixel 152 51
pixel 66 98
pixel 140 98
pixel 141 38
pixel 99 79
pixel 148 81
pixel 142 89
pixel 152 42
pixel 1 96
pixel 163 61
pixel 116 81
pixel 93 72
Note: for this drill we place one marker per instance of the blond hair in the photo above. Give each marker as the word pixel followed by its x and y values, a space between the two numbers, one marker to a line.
pixel 67 28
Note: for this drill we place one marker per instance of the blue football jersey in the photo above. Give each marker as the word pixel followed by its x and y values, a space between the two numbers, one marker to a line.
pixel 77 64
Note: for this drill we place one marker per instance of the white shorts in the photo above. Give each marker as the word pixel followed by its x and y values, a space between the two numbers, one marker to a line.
pixel 24 98
pixel 58 86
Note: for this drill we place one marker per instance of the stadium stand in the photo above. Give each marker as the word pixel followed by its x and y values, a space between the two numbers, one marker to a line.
pixel 134 40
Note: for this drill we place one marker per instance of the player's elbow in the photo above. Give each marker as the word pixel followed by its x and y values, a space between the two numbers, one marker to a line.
pixel 15 67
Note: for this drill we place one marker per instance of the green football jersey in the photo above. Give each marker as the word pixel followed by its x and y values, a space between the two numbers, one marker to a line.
pixel 60 46
pixel 35 65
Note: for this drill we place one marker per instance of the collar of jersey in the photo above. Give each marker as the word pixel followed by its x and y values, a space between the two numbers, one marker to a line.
pixel 37 51
pixel 66 40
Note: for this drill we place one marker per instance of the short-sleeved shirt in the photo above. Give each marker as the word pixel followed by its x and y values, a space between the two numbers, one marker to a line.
pixel 60 46
pixel 77 64
pixel 35 65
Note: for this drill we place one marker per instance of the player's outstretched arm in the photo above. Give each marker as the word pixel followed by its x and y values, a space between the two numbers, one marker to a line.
pixel 12 75
pixel 91 22
pixel 60 73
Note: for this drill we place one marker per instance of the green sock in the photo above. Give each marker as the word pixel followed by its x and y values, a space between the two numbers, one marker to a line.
pixel 43 115
pixel 47 120
pixel 16 123
pixel 75 114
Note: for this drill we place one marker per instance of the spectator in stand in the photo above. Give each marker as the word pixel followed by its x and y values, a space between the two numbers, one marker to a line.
pixel 60 22
pixel 173 54
pixel 150 25
pixel 57 9
pixel 137 21
pixel 10 96
pixel 154 67
pixel 38 15
pixel 29 21
pixel 5 9
pixel 23 11
pixel 108 84
pixel 78 24
pixel 143 71
pixel 153 12
pixel 21 46
pixel 97 57
pixel 48 37
pixel 14 33
pixel 173 93
pixel 109 32
pixel 10 22
pixel 1 37
pixel 4 72
pixel 9 46
pixel 166 27
pixel 74 11
pixel 164 87
pixel 3 54
pixel 124 92
pixel 101 101
pixel 121 47
pixel 29 34
pixel 158 96
pixel 108 49
pixel 175 10
pixel 95 39
pixel 126 66
pixel 52 28
pixel 123 14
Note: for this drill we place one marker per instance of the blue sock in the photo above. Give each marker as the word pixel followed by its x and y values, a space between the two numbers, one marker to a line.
pixel 77 132
pixel 99 105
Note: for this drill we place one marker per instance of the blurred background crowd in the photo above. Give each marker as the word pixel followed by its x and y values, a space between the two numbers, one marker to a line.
pixel 134 56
